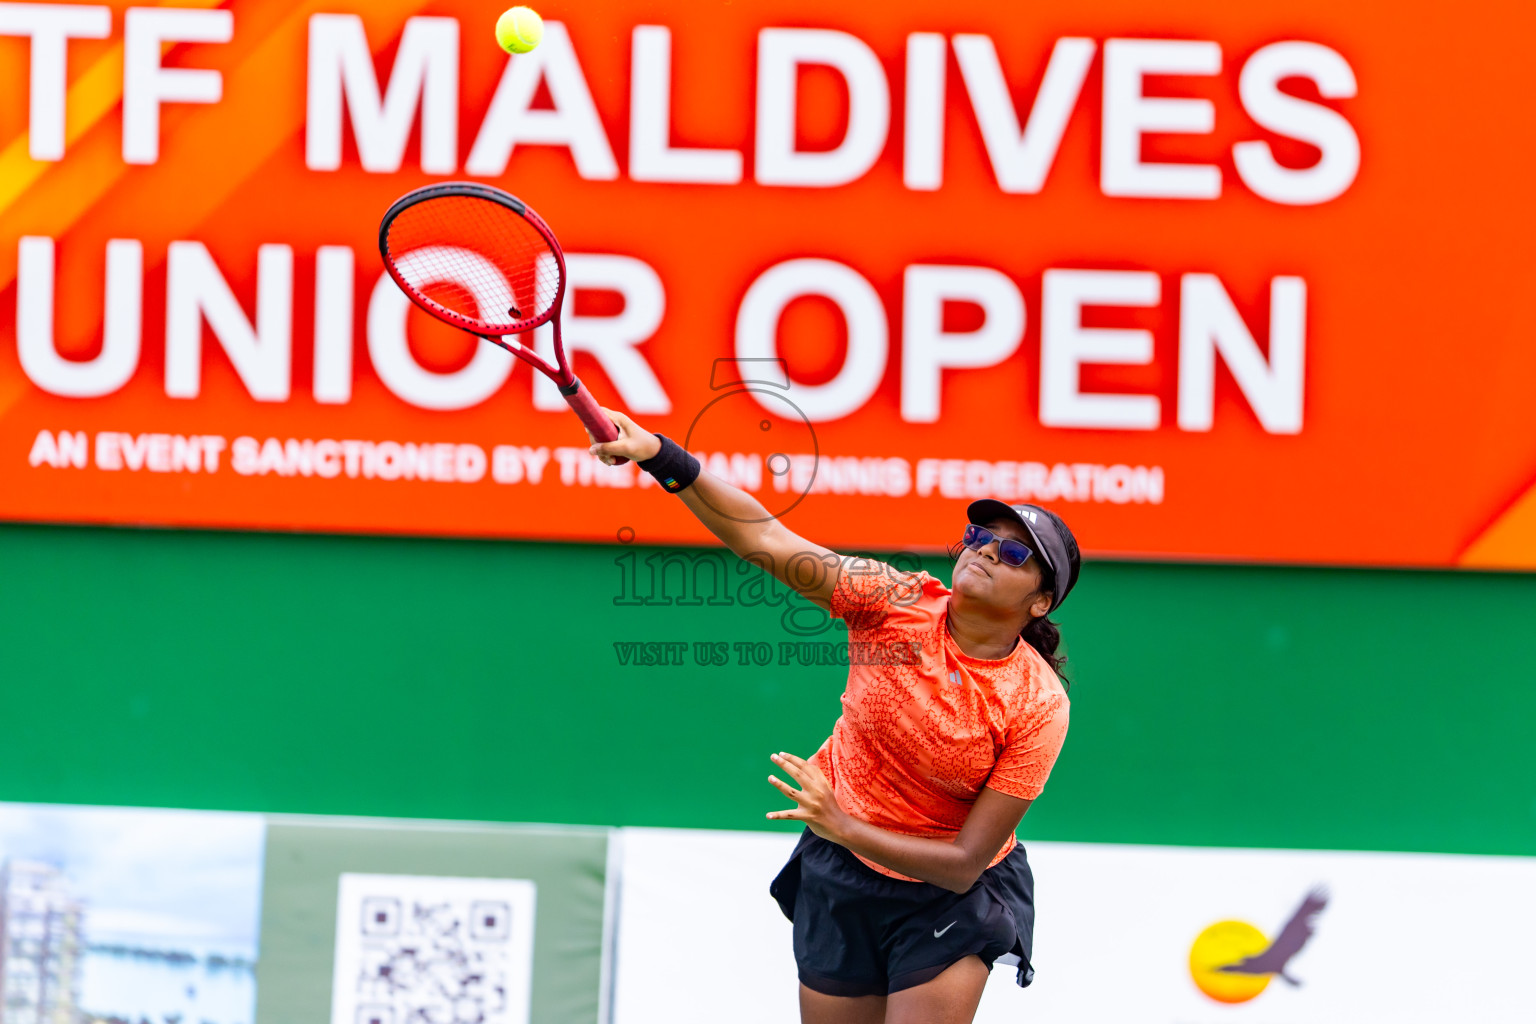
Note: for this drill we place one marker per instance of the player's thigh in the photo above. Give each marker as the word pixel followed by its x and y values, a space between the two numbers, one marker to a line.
pixel 951 998
pixel 818 1008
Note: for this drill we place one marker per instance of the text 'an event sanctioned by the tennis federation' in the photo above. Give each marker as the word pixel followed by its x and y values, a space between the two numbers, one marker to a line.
pixel 326 459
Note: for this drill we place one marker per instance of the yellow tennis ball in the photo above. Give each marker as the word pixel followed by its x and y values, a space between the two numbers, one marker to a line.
pixel 519 29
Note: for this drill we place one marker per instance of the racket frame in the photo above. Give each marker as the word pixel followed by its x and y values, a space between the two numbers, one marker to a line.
pixel 571 388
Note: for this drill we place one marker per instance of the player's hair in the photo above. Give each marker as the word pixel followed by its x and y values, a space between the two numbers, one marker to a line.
pixel 1045 637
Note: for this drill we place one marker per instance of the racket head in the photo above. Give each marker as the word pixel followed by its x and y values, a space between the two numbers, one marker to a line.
pixel 474 256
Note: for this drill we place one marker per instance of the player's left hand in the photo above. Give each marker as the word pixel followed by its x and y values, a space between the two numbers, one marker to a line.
pixel 816 804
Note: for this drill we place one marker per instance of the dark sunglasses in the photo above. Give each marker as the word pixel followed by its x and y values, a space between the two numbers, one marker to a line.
pixel 1009 552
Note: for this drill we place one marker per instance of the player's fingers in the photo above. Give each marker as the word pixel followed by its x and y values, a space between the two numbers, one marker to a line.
pixel 622 446
pixel 801 770
pixel 792 815
pixel 796 772
pixel 626 426
pixel 785 788
pixel 608 452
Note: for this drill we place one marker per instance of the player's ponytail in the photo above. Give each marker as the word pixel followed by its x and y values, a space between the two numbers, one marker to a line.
pixel 1045 637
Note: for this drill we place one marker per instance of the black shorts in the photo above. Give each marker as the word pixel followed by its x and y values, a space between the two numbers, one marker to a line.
pixel 861 933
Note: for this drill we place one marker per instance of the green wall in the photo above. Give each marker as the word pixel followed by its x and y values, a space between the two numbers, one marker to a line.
pixel 478 680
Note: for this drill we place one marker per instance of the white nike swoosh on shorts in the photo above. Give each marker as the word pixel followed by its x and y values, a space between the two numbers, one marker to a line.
pixel 939 933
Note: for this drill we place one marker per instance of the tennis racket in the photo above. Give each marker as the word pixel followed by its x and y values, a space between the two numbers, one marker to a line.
pixel 478 258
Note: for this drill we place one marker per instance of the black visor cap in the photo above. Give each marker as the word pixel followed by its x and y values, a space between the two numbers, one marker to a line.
pixel 1053 543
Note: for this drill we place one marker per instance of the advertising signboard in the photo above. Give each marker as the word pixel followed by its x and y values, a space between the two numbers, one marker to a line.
pixel 1218 282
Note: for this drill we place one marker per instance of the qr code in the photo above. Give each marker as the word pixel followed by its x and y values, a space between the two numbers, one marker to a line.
pixel 415 949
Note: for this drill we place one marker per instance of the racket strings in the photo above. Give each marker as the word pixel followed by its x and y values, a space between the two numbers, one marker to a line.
pixel 475 259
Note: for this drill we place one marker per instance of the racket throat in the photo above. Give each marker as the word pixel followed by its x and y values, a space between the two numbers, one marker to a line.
pixel 513 346
pixel 531 357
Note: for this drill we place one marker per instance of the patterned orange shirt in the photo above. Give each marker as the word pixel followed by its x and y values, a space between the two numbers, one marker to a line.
pixel 925 726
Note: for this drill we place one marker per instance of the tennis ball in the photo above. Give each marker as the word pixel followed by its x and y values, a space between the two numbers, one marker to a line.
pixel 519 29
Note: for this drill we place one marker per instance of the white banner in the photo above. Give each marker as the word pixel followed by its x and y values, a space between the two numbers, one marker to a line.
pixel 1124 935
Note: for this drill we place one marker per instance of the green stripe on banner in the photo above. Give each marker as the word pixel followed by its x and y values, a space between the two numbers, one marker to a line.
pixel 1223 706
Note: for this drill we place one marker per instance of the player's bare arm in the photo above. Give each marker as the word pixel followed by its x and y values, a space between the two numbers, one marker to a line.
pixel 953 865
pixel 736 518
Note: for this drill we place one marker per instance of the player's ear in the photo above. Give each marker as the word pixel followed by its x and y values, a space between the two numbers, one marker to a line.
pixel 1040 606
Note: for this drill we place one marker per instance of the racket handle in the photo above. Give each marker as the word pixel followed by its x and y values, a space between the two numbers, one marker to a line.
pixel 582 403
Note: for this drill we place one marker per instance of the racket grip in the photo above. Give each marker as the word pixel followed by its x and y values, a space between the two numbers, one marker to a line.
pixel 582 403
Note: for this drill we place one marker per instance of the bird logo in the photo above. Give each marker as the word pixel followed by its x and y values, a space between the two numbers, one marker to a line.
pixel 1232 961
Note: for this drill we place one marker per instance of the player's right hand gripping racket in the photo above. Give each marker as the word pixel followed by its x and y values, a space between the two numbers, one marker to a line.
pixel 478 258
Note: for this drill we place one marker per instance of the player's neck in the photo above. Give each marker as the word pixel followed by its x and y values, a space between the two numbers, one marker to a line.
pixel 979 636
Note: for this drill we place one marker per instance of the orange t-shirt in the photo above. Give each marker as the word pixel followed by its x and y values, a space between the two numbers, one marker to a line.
pixel 925 726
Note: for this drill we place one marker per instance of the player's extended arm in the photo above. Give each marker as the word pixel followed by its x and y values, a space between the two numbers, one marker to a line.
pixel 953 865
pixel 738 519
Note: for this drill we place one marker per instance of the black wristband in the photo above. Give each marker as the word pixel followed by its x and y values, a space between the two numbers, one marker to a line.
pixel 672 467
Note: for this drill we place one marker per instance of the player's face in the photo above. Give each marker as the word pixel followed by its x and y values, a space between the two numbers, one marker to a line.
pixel 981 575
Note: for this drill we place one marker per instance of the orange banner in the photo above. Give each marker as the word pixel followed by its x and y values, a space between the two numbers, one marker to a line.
pixel 1215 281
